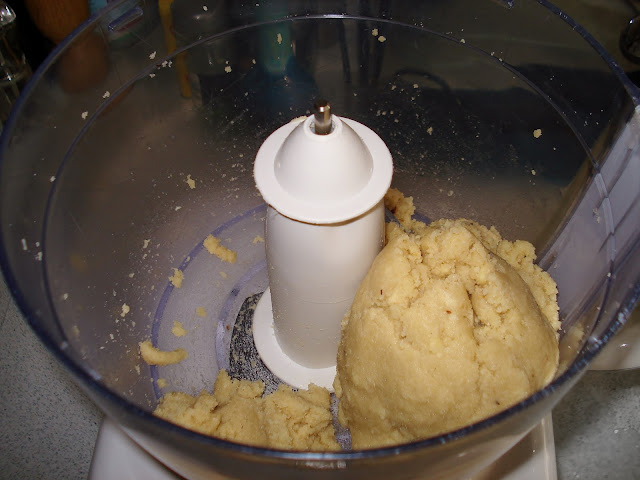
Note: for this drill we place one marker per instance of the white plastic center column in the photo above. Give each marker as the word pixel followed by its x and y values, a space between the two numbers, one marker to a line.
pixel 324 227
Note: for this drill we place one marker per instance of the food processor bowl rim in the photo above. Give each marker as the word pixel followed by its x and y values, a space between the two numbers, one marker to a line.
pixel 38 73
pixel 88 382
pixel 632 88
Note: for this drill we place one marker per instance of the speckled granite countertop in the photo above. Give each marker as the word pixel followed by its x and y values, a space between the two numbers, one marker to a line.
pixel 48 427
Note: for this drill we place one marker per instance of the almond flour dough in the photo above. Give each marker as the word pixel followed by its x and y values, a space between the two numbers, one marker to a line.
pixel 237 411
pixel 213 246
pixel 154 356
pixel 178 329
pixel 177 278
pixel 450 325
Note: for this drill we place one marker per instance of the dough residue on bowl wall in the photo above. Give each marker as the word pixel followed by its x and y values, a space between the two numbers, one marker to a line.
pixel 155 356
pixel 177 278
pixel 214 247
pixel 178 329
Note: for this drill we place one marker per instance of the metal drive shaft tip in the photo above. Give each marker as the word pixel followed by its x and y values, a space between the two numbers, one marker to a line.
pixel 322 117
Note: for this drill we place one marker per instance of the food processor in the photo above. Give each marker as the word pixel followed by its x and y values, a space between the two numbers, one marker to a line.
pixel 504 112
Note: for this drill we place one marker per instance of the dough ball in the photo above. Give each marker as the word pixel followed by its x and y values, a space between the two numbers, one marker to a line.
pixel 450 325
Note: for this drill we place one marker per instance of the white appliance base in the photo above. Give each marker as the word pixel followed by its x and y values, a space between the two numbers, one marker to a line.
pixel 117 457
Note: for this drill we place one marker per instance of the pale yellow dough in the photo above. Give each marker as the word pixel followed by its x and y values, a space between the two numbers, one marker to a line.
pixel 213 246
pixel 154 356
pixel 177 278
pixel 178 329
pixel 237 411
pixel 450 325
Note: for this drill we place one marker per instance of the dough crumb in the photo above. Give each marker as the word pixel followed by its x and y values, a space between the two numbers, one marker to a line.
pixel 201 312
pixel 279 39
pixel 154 356
pixel 382 38
pixel 537 133
pixel 223 274
pixel 237 411
pixel 125 309
pixel 374 32
pixel 227 69
pixel 258 239
pixel 162 383
pixel 430 130
pixel 178 330
pixel 145 243
pixel 191 182
pixel 212 244
pixel 177 278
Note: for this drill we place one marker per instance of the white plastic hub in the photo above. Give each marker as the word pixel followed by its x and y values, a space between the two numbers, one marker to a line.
pixel 323 179
pixel 324 227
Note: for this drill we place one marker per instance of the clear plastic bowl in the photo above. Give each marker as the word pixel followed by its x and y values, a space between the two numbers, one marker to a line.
pixel 504 112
